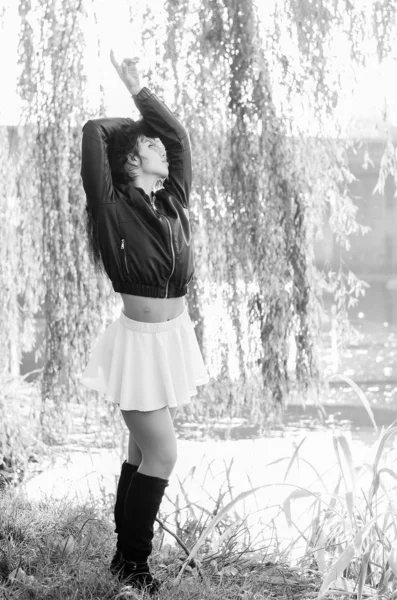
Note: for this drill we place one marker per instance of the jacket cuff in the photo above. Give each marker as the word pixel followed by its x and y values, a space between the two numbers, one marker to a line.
pixel 143 94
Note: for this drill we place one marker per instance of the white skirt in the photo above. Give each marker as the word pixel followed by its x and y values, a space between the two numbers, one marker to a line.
pixel 146 366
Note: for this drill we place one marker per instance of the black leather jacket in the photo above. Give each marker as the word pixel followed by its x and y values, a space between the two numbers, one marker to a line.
pixel 146 249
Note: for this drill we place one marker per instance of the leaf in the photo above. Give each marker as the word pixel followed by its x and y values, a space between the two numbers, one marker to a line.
pixel 374 486
pixel 340 440
pixel 319 553
pixel 385 577
pixel 350 507
pixel 287 502
pixel 359 393
pixel 349 461
pixel 362 534
pixel 274 462
pixel 392 560
pixel 389 472
pixel 334 498
pixel 388 433
pixel 343 561
pixel 292 460
pixel 363 572
pixel 345 558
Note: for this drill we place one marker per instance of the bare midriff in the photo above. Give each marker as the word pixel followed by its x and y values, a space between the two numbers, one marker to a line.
pixel 152 310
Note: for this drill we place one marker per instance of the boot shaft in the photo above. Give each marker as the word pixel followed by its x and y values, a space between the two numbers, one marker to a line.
pixel 122 487
pixel 141 505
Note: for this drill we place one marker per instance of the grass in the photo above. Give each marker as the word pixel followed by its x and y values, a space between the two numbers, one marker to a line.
pixel 60 549
pixel 54 550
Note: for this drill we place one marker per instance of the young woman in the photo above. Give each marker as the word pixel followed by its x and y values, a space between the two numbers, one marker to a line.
pixel 148 360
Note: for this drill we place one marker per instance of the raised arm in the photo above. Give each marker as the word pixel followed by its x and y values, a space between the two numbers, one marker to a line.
pixel 95 168
pixel 175 139
pixel 167 127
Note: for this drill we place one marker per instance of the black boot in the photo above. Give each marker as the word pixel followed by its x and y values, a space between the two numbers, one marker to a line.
pixel 124 483
pixel 141 506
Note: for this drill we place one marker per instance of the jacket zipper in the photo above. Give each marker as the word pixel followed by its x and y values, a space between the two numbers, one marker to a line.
pixel 173 256
pixel 172 247
pixel 124 254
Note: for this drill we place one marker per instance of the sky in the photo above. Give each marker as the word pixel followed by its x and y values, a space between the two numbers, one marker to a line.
pixel 375 89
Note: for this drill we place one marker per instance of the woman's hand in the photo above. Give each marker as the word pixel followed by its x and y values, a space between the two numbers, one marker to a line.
pixel 128 73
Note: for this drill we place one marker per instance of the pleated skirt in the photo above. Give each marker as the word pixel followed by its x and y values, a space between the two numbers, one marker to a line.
pixel 146 366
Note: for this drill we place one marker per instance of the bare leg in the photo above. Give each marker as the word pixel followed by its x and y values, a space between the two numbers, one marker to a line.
pixel 153 433
pixel 134 453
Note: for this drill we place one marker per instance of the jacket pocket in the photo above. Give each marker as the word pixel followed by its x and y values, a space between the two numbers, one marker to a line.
pixel 124 257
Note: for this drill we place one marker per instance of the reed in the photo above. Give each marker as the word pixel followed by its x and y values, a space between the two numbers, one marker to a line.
pixel 60 549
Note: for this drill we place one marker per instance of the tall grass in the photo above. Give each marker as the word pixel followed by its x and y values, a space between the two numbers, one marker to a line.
pixel 20 435
pixel 225 546
pixel 351 540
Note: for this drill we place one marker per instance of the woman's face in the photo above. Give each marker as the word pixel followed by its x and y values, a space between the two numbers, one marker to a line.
pixel 153 157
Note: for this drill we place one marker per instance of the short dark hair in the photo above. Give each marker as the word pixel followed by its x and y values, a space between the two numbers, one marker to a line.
pixel 125 143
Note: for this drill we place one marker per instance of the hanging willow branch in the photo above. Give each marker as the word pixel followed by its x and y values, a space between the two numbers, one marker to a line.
pixel 261 196
pixel 52 84
pixel 244 200
pixel 262 181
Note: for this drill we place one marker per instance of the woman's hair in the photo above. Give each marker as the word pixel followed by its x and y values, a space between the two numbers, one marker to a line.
pixel 94 251
pixel 123 144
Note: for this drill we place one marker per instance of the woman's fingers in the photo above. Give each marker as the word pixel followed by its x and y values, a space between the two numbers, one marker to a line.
pixel 126 61
pixel 131 61
pixel 114 61
pixel 127 71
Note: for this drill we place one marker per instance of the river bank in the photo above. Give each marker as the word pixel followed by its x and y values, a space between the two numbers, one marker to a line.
pixel 88 471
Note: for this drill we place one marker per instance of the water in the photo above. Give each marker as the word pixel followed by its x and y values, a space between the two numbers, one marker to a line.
pixel 201 476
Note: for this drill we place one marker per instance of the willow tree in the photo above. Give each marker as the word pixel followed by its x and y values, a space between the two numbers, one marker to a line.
pixel 52 87
pixel 264 183
pixel 249 201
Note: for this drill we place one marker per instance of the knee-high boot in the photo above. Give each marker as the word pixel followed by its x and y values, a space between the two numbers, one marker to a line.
pixel 124 483
pixel 122 487
pixel 141 506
